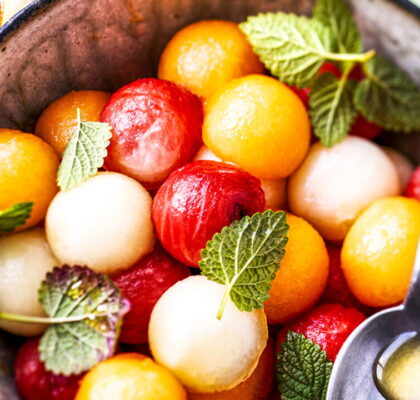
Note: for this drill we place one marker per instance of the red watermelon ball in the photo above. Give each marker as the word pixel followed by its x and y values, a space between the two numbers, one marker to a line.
pixel 142 285
pixel 156 129
pixel 197 201
pixel 328 325
pixel 34 382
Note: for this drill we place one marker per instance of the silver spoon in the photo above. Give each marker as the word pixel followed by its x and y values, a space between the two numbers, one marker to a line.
pixel 353 375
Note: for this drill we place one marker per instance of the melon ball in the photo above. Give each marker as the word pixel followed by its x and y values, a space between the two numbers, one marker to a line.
pixel 206 354
pixel 105 223
pixel 274 191
pixel 25 259
pixel 333 185
pixel 402 164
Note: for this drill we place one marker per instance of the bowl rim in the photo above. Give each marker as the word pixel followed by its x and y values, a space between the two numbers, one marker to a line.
pixel 22 16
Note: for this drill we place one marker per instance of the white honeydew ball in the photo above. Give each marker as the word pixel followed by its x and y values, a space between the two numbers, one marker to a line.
pixel 25 259
pixel 206 354
pixel 402 164
pixel 105 223
pixel 274 191
pixel 333 185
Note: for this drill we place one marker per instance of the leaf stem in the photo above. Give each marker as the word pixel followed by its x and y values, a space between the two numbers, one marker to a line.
pixel 362 57
pixel 46 320
pixel 225 299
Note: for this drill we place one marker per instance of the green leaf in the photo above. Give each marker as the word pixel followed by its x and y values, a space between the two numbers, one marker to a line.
pixel 78 292
pixel 84 154
pixel 302 369
pixel 245 257
pixel 336 14
pixel 292 47
pixel 332 110
pixel 388 97
pixel 15 216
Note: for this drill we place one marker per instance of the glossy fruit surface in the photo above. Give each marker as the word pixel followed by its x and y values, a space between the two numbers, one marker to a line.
pixel 413 186
pixel 333 185
pixel 302 276
pixel 105 223
pixel 205 353
pixel 156 129
pixel 28 171
pixel 327 325
pixel 197 201
pixel 379 250
pixel 34 382
pixel 25 259
pixel 130 376
pixel 142 285
pixel 274 191
pixel 206 55
pixel 59 120
pixel 257 387
pixel 259 124
pixel 337 289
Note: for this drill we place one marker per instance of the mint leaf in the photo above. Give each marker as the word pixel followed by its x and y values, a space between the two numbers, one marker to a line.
pixel 245 257
pixel 15 216
pixel 331 108
pixel 78 292
pixel 84 154
pixel 336 14
pixel 388 97
pixel 302 369
pixel 293 48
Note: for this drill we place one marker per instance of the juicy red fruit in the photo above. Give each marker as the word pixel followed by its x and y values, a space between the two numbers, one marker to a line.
pixel 413 186
pixel 327 325
pixel 197 201
pixel 34 382
pixel 156 129
pixel 142 285
pixel 337 290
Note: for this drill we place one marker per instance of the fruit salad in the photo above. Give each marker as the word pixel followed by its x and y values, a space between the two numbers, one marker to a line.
pixel 216 231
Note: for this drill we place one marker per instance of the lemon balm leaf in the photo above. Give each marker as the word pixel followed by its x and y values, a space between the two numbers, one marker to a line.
pixel 332 110
pixel 388 97
pixel 84 154
pixel 292 47
pixel 15 216
pixel 336 15
pixel 302 369
pixel 245 257
pixel 96 307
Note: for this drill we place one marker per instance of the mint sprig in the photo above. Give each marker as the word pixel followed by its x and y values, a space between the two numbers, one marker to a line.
pixel 337 16
pixel 293 48
pixel 15 216
pixel 84 154
pixel 89 309
pixel 332 110
pixel 85 311
pixel 302 369
pixel 387 97
pixel 245 257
